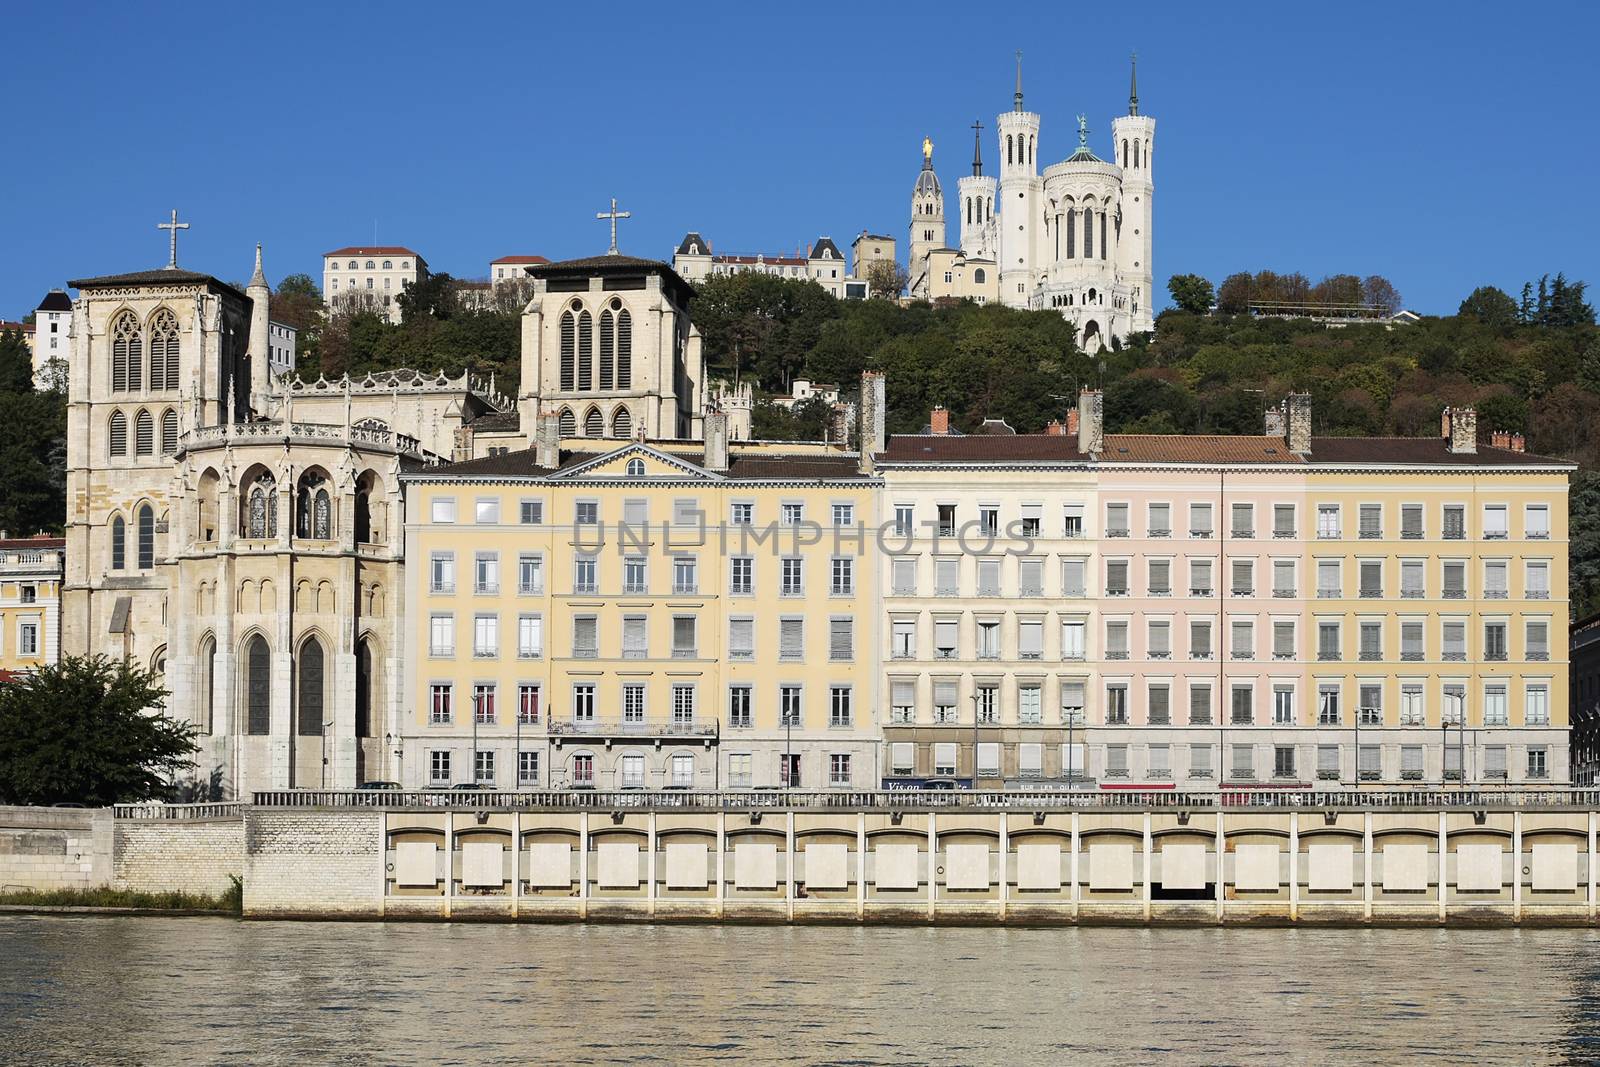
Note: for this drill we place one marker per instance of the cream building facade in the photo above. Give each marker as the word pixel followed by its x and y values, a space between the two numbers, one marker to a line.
pixel 30 602
pixel 823 264
pixel 370 277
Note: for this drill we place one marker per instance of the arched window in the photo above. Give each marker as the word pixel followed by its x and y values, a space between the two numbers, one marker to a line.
pixel 1009 158
pixel 1030 150
pixel 1135 152
pixel 568 350
pixel 608 345
pixel 1102 235
pixel 568 423
pixel 988 211
pixel 258 686
pixel 585 350
pixel 118 434
pixel 365 486
pixel 208 682
pixel 364 689
pixel 146 519
pixel 119 544
pixel 1124 151
pixel 353 264
pixel 621 423
pixel 388 264
pixel 164 350
pixel 969 210
pixel 636 468
pixel 593 424
pixel 313 517
pixel 144 434
pixel 261 507
pixel 126 358
pixel 369 264
pixel 978 276
pixel 1088 233
pixel 169 432
pixel 308 689
pixel 624 349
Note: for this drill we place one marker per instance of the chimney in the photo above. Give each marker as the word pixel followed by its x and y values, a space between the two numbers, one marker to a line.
pixel 1055 429
pixel 1297 417
pixel 873 436
pixel 838 431
pixel 1519 443
pixel 1500 438
pixel 1463 429
pixel 547 441
pixel 716 427
pixel 939 420
pixel 1276 424
pixel 1091 422
pixel 1072 423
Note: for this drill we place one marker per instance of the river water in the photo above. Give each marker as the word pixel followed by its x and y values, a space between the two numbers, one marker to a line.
pixel 107 991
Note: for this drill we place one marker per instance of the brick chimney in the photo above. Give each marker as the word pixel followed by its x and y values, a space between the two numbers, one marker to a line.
pixel 1500 438
pixel 1275 424
pixel 1091 422
pixel 1055 428
pixel 1297 416
pixel 1072 423
pixel 939 420
pixel 1461 426
pixel 547 440
pixel 1519 443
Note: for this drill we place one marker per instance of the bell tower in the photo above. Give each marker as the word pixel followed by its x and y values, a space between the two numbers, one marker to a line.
pixel 1134 137
pixel 927 215
pixel 1018 202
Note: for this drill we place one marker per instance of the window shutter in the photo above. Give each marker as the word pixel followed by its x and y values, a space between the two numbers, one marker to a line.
pixel 841 638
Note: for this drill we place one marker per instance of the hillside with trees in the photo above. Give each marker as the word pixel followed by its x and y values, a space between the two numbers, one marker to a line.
pixel 33 446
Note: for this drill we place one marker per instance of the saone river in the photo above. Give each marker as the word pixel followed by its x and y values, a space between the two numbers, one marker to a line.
pixel 214 991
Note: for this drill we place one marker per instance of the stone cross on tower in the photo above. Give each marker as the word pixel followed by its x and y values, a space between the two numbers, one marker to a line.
pixel 613 215
pixel 1083 130
pixel 174 226
pixel 977 149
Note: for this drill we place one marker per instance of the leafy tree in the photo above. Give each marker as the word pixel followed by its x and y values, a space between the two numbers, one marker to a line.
pixel 805 421
pixel 887 279
pixel 1490 306
pixel 1233 298
pixel 1378 293
pixel 16 363
pixel 33 461
pixel 82 731
pixel 1191 293
pixel 434 296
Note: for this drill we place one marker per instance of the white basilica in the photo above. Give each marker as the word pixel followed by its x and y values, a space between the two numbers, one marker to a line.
pixel 1074 237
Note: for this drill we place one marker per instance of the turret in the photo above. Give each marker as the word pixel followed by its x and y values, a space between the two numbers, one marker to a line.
pixel 1133 139
pixel 976 195
pixel 260 295
pixel 1019 196
pixel 927 215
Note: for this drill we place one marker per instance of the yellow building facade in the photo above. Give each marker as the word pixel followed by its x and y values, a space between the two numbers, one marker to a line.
pixel 630 615
pixel 30 602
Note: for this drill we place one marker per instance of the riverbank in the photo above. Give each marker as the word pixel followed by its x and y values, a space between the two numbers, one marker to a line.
pixel 107 901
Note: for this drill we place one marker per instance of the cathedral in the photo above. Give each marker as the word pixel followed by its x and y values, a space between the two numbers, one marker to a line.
pixel 1074 237
pixel 242 533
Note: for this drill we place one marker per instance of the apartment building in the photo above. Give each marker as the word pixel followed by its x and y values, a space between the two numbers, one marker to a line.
pixel 1088 610
pixel 30 601
pixel 370 278
pixel 665 615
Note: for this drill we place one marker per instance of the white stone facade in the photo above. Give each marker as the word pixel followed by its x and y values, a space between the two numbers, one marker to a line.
pixel 370 277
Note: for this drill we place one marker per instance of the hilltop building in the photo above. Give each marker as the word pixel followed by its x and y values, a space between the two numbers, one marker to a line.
pixel 824 264
pixel 371 278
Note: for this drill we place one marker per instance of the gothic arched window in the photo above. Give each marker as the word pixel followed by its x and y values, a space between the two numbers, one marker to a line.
pixel 624 349
pixel 608 348
pixel 1009 158
pixel 1135 153
pixel 261 503
pixel 593 424
pixel 126 349
pixel 308 689
pixel 978 276
pixel 568 423
pixel 313 514
pixel 364 689
pixel 585 350
pixel 969 210
pixel 146 519
pixel 1072 234
pixel 118 434
pixel 208 682
pixel 119 543
pixel 164 350
pixel 568 352
pixel 621 423
pixel 169 432
pixel 322 516
pixel 1088 233
pixel 258 686
pixel 144 434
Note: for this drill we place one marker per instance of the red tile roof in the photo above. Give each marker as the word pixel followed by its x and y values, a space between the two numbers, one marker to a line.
pixel 983 448
pixel 519 259
pixel 37 541
pixel 374 250
pixel 1197 448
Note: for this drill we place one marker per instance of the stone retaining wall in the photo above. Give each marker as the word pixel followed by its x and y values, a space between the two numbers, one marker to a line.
pixel 154 856
pixel 54 848
pixel 86 848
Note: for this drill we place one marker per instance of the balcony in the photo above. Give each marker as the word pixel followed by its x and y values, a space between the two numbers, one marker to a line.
pixel 1412 594
pixel 944 653
pixel 1163 532
pixel 585 653
pixel 1243 590
pixel 1283 594
pixel 1455 594
pixel 1327 655
pixel 1073 592
pixel 1240 653
pixel 1117 592
pixel 1495 535
pixel 1369 655
pixel 1371 593
pixel 1201 534
pixel 635 588
pixel 903 653
pixel 1454 535
pixel 1160 653
pixel 1327 776
pixel 1117 533
pixel 1200 591
pixel 1410 535
pixel 1537 535
pixel 899 590
pixel 1411 776
pixel 585 588
pixel 1283 657
pixel 1198 653
pixel 1538 657
pixel 988 590
pixel 1411 657
pixel 1283 535
pixel 1495 657
pixel 1454 657
pixel 945 590
pixel 485 653
pixel 530 653
pixel 487 588
pixel 1370 535
pixel 1495 594
pixel 601 728
pixel 1369 776
pixel 988 654
pixel 1328 535
pixel 1033 590
pixel 1243 533
pixel 1116 653
pixel 1161 592
pixel 735 654
pixel 685 588
pixel 1538 594
pixel 531 589
pixel 1328 594
pixel 1072 657
pixel 442 587
pixel 644 653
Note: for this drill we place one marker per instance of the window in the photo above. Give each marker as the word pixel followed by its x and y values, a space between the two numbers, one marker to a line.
pixel 1495 585
pixel 1370 522
pixel 1116 761
pixel 442 635
pixel 1199 520
pixel 1536 522
pixel 527 704
pixel 1283 520
pixel 1283 583
pixel 1494 641
pixel 1411 641
pixel 685 575
pixel 1328 579
pixel 443 509
pixel 1538 762
pixel 586 513
pixel 1243 698
pixel 1073 633
pixel 741 513
pixel 685 637
pixel 1200 761
pixel 1158 520
pixel 439 767
pixel 1031 516
pixel 1244 577
pixel 1283 639
pixel 1369 704
pixel 1242 643
pixel 839 706
pixel 947 520
pixel 791 513
pixel 1412 581
pixel 683 704
pixel 1455 580
pixel 789 705
pixel 792 573
pixel 145 523
pixel 1072 577
pixel 583 705
pixel 1243 520
pixel 1536 641
pixel 1411 763
pixel 118 433
pixel 1116 639
pixel 28 639
pixel 1369 763
pixel 442 572
pixel 1072 704
pixel 488 510
pixel 741 575
pixel 1455 522
pixel 843 576
pixel 1117 577
pixel 1327 705
pixel 1494 522
pixel 583 770
pixel 682 770
pixel 483 704
pixel 1030 708
pixel 1536 580
pixel 169 433
pixel 944 759
pixel 439 696
pixel 528 768
pixel 584 637
pixel 841 639
pixel 1199 639
pixel 1116 520
pixel 530 636
pixel 945 577
pixel 844 514
pixel 944 701
pixel 636 513
pixel 1370 640
pixel 1160 577
pixel 1072 520
pixel 1454 639
pixel 584 575
pixel 1158 705
pixel 1030 577
pixel 988 640
pixel 1536 706
pixel 686 512
pixel 1199 577
pixel 632 771
pixel 740 707
pixel 1370 578
pixel 530 575
pixel 1244 762
pixel 1116 705
pixel 1328 521
pixel 486 636
pixel 1411 522
pixel 486 572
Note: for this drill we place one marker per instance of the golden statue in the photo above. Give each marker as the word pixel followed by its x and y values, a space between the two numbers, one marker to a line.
pixel 927 150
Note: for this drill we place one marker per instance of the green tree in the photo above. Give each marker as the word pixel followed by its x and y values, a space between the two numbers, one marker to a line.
pixel 1490 306
pixel 16 363
pixel 434 296
pixel 1191 293
pixel 82 731
pixel 33 461
pixel 887 279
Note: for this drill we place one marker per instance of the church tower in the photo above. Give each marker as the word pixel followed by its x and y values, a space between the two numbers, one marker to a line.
pixel 1134 136
pixel 1018 202
pixel 976 194
pixel 927 216
pixel 260 357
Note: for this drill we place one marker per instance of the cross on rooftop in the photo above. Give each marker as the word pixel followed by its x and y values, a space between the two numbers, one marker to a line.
pixel 174 226
pixel 613 215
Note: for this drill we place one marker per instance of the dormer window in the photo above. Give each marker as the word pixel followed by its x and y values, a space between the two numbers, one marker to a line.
pixel 636 468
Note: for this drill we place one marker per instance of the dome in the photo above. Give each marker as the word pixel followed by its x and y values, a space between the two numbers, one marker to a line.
pixel 927 184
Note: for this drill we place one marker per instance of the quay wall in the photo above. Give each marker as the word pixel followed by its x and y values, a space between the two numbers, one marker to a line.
pixel 183 848
pixel 1301 866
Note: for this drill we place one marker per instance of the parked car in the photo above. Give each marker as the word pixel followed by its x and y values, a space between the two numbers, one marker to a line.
pixel 379 785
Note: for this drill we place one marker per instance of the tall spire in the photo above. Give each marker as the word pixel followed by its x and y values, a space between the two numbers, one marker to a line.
pixel 1133 85
pixel 1018 105
pixel 258 278
pixel 977 149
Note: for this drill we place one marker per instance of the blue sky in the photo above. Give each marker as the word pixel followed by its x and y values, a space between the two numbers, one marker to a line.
pixel 1442 145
